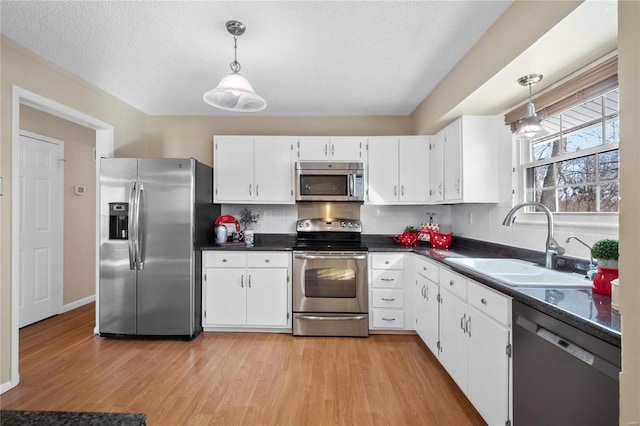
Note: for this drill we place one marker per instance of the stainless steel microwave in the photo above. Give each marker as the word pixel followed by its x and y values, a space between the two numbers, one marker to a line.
pixel 329 181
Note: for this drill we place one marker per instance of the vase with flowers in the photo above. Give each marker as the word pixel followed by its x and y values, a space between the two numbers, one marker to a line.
pixel 606 253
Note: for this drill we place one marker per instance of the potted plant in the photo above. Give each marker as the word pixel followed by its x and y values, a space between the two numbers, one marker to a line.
pixel 247 218
pixel 606 253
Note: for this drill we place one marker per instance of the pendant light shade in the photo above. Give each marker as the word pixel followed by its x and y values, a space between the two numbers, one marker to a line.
pixel 234 93
pixel 529 126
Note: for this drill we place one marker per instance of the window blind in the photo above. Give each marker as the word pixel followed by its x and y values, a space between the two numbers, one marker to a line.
pixel 594 82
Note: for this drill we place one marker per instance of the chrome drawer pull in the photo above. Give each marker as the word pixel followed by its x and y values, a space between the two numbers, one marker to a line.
pixel 386 299
pixel 267 260
pixel 388 319
pixel 387 279
pixel 483 301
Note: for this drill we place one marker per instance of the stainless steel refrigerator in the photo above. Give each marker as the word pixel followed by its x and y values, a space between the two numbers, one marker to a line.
pixel 155 216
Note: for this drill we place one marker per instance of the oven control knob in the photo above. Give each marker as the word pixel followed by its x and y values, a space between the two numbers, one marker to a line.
pixel 350 225
pixel 343 224
pixel 307 224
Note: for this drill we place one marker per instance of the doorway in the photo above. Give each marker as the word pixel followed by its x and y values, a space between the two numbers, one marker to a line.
pixel 104 148
pixel 40 223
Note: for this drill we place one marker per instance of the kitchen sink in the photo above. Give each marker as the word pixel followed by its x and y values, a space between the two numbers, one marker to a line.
pixel 516 272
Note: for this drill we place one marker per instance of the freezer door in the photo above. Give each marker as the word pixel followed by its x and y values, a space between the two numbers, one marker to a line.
pixel 117 283
pixel 165 299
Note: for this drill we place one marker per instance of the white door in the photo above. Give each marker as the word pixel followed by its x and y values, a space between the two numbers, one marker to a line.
pixel 267 297
pixel 313 149
pixel 40 248
pixel 274 169
pixel 383 170
pixel 226 296
pixel 414 169
pixel 347 149
pixel 233 169
pixel 453 162
pixel 436 166
pixel 453 339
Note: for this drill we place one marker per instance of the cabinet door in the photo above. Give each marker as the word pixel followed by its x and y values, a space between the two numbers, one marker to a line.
pixel 225 296
pixel 346 149
pixel 414 169
pixel 453 339
pixel 267 297
pixel 436 168
pixel 420 306
pixel 430 316
pixel 453 162
pixel 233 169
pixel 313 149
pixel 273 169
pixel 488 367
pixel 383 170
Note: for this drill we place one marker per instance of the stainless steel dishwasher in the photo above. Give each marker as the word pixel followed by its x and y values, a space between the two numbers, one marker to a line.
pixel 561 375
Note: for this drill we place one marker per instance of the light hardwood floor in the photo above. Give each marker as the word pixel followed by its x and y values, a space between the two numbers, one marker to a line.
pixel 235 378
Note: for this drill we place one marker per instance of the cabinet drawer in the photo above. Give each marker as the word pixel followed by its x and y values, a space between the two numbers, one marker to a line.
pixel 455 283
pixel 387 298
pixel 268 260
pixel 224 260
pixel 387 278
pixel 490 302
pixel 387 261
pixel 428 269
pixel 388 318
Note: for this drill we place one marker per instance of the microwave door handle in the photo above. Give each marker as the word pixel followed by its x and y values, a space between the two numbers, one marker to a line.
pixel 351 185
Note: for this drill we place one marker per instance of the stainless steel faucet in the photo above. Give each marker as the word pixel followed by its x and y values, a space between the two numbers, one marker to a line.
pixel 552 248
pixel 592 266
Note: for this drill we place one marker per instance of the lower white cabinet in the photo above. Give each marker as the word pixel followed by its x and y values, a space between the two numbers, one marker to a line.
pixel 475 343
pixel 246 290
pixel 387 302
pixel 426 307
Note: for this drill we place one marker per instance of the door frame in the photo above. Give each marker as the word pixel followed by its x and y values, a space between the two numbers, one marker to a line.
pixel 60 243
pixel 104 148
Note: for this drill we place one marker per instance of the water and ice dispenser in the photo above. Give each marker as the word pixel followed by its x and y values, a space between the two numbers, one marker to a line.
pixel 118 221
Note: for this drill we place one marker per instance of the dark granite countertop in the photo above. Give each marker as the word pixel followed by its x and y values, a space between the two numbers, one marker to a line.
pixel 60 418
pixel 578 307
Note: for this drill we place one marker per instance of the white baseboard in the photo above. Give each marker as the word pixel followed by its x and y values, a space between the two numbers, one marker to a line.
pixel 73 305
pixel 7 386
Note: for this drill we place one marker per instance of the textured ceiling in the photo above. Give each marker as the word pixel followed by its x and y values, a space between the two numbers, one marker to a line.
pixel 303 57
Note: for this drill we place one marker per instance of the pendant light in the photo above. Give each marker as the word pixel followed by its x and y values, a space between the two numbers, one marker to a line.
pixel 234 93
pixel 529 126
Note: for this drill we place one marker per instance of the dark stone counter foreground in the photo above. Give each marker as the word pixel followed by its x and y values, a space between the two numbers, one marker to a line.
pixel 60 418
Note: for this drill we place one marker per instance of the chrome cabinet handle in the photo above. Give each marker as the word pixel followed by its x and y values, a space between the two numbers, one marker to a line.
pixel 387 279
pixel 458 185
pixel 386 262
pixel 250 189
pixel 426 292
pixel 468 326
pixel 333 149
pixel 242 281
pixel 424 268
pixel 249 282
pixel 325 149
pixel 463 321
pixel 402 190
pixel 451 282
pixel 388 319
pixel 483 301
pixel 395 190
pixel 386 299
pixel 440 189
pixel 224 260
pixel 257 191
pixel 267 260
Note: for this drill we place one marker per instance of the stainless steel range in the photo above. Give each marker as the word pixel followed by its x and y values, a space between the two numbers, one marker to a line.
pixel 330 289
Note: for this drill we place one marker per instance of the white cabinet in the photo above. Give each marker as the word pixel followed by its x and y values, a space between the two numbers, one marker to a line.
pixel 398 170
pixel 467 171
pixel 322 148
pixel 426 295
pixel 387 291
pixel 475 343
pixel 253 169
pixel 246 290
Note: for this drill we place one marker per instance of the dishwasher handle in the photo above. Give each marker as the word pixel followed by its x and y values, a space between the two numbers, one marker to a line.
pixel 569 347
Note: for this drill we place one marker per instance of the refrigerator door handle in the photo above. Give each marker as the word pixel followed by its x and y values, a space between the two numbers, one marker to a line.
pixel 131 226
pixel 139 228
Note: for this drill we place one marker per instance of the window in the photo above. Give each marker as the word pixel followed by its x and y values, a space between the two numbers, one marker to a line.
pixel 574 167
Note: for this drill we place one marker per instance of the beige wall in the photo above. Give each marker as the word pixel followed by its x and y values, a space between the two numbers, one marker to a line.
pixel 176 136
pixel 79 210
pixel 629 77
pixel 24 69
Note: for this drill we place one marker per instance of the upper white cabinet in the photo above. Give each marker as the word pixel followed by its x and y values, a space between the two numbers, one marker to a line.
pixel 321 148
pixel 469 151
pixel 398 170
pixel 253 169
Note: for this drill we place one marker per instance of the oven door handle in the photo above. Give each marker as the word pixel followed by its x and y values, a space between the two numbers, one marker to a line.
pixel 321 318
pixel 330 257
